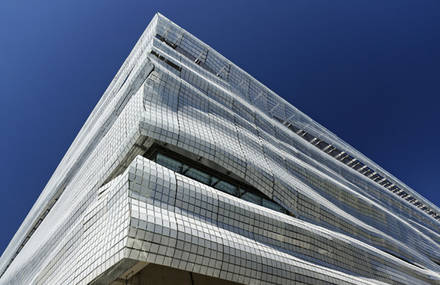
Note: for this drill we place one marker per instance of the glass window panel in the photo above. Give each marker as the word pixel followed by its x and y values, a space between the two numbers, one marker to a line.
pixel 214 180
pixel 251 197
pixel 242 191
pixel 217 183
pixel 272 205
pixel 168 162
pixel 198 175
pixel 227 187
pixel 184 168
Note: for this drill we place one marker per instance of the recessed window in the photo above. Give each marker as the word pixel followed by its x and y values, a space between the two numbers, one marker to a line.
pixel 272 205
pixel 168 162
pixel 227 187
pixel 210 177
pixel 251 197
pixel 199 175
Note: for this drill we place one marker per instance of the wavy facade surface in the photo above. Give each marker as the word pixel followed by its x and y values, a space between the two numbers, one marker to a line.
pixel 189 163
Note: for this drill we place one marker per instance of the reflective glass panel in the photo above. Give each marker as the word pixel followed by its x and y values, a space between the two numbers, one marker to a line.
pixel 214 181
pixel 251 197
pixel 272 205
pixel 168 162
pixel 226 187
pixel 198 175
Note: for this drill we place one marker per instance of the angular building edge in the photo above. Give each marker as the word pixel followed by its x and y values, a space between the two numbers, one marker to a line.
pixel 102 116
pixel 152 223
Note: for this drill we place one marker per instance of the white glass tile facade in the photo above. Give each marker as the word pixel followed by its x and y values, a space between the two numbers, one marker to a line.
pixel 190 163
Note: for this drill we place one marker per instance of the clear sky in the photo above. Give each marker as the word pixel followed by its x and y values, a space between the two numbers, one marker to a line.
pixel 367 70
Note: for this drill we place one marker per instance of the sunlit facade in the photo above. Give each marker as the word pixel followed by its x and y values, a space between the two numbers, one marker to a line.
pixel 190 171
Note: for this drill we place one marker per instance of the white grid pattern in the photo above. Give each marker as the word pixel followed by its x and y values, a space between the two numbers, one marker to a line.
pixel 113 206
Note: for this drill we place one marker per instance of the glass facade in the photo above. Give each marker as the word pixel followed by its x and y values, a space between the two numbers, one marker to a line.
pixel 227 187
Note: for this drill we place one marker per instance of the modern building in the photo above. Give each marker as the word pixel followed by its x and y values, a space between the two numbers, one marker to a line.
pixel 190 171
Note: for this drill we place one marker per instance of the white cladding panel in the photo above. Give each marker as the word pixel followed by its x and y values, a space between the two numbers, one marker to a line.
pixel 113 204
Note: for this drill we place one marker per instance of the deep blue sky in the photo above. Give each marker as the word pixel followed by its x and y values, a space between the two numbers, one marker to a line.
pixel 367 70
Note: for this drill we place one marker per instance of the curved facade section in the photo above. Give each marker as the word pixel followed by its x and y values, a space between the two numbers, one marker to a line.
pixel 248 189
